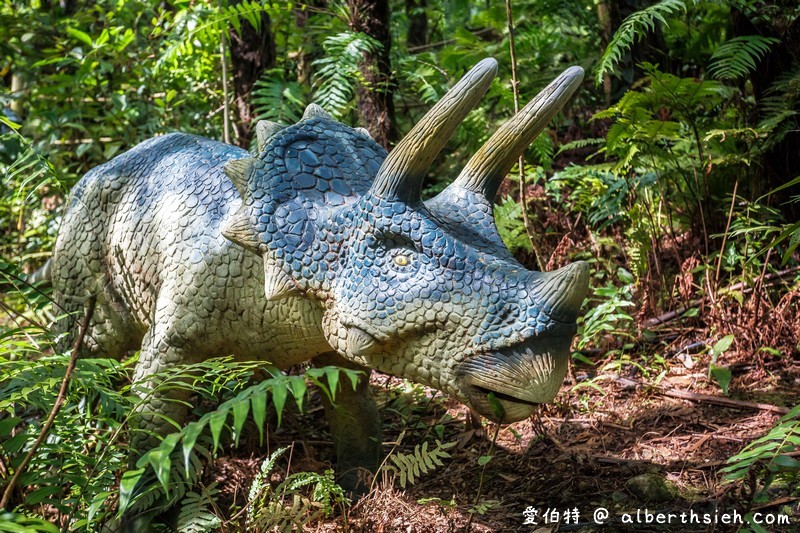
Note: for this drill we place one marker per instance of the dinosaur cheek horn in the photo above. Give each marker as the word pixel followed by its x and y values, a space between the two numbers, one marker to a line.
pixel 488 167
pixel 401 174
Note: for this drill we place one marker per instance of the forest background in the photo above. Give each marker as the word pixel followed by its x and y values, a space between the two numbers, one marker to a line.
pixel 674 172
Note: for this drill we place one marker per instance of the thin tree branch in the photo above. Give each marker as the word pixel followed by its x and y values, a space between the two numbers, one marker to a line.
pixel 523 194
pixel 223 57
pixel 62 394
pixel 672 315
pixel 721 400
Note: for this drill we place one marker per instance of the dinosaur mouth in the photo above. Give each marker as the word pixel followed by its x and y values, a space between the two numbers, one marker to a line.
pixel 503 397
pixel 506 385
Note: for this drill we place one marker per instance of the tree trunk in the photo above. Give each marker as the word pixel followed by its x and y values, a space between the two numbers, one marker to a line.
pixel 375 94
pixel 650 48
pixel 782 162
pixel 417 23
pixel 252 52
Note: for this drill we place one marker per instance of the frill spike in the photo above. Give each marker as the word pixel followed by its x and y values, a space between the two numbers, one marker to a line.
pixel 265 129
pixel 313 110
pixel 277 283
pixel 238 171
pixel 240 230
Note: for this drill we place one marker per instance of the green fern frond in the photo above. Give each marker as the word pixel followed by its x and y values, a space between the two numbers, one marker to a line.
pixel 633 29
pixel 543 150
pixel 278 99
pixel 771 453
pixel 203 25
pixel 195 516
pixel 739 56
pixel 409 467
pixel 778 108
pixel 268 509
pixel 338 71
pixel 580 144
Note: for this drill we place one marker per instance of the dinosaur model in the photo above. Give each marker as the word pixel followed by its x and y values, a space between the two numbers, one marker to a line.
pixel 320 248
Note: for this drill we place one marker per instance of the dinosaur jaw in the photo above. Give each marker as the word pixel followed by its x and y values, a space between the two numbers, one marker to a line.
pixel 518 377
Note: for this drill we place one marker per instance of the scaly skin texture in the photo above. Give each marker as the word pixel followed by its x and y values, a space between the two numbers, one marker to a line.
pixel 321 248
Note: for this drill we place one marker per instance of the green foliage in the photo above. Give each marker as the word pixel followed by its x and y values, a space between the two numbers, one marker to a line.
pixel 739 56
pixel 508 217
pixel 77 468
pixel 195 515
pixel 211 378
pixel 408 467
pixel 607 315
pixel 14 522
pixel 769 456
pixel 339 70
pixel 722 374
pixel 277 99
pixel 788 234
pixel 97 80
pixel 288 506
pixel 632 29
pixel 205 24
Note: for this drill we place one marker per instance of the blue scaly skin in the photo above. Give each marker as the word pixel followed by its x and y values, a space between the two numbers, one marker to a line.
pixel 321 248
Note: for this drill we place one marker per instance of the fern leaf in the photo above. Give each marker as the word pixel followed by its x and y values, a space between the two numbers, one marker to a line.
pixel 580 144
pixel 739 56
pixel 339 70
pixel 195 516
pixel 410 467
pixel 633 29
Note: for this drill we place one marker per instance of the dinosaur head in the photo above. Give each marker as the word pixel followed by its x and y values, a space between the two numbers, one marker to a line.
pixel 424 290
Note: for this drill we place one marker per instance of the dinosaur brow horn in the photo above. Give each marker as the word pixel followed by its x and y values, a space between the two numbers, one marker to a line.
pixel 488 167
pixel 401 173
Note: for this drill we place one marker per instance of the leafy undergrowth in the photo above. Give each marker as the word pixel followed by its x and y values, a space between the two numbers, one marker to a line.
pixel 592 448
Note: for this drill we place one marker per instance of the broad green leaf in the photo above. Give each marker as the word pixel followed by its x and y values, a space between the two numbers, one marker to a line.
pixel 190 434
pixel 37 496
pixel 161 464
pixel 496 406
pixel 722 374
pixel 299 388
pixel 97 503
pixel 7 425
pixel 127 485
pixel 353 375
pixel 216 422
pixel 279 399
pixel 258 403
pixel 784 462
pixel 240 410
pixel 332 376
pixel 722 345
pixel 81 36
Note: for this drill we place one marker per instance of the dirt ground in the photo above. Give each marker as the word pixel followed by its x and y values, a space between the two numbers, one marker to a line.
pixel 616 441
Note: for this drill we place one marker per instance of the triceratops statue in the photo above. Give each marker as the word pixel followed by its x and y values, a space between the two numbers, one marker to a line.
pixel 320 247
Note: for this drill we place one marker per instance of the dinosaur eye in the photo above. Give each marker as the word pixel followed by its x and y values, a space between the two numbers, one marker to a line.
pixel 401 260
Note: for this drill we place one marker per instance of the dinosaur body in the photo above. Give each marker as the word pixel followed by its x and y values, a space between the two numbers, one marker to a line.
pixel 321 248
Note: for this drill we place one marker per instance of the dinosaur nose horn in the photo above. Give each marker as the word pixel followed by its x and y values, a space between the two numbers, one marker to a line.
pixel 562 291
pixel 400 176
pixel 488 167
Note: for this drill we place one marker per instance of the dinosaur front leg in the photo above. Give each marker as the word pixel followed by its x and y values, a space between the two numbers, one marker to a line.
pixel 162 404
pixel 355 426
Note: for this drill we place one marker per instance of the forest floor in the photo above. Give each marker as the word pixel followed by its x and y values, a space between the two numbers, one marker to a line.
pixel 621 441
